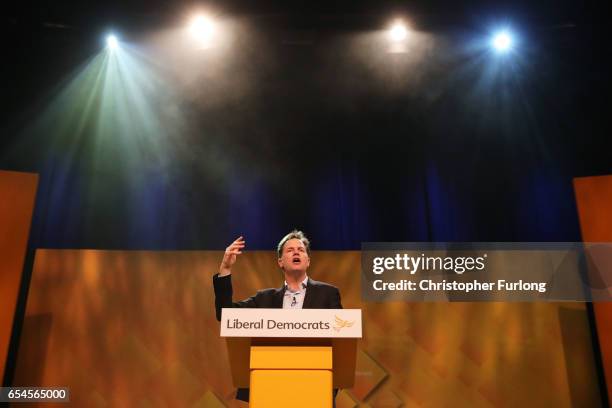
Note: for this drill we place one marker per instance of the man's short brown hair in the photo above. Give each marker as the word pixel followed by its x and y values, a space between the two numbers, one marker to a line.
pixel 295 234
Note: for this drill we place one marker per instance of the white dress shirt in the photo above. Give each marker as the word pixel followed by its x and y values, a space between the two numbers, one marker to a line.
pixel 295 300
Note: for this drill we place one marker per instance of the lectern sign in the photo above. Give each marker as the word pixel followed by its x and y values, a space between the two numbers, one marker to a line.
pixel 327 323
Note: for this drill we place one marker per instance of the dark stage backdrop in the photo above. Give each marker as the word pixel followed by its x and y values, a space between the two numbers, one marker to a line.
pixel 335 136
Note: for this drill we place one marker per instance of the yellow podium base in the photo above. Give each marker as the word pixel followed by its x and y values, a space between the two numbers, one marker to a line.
pixel 294 377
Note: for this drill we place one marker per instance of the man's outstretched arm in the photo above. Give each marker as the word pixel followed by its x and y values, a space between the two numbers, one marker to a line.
pixel 222 281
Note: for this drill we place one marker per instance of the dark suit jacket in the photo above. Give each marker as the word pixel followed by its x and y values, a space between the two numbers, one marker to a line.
pixel 319 295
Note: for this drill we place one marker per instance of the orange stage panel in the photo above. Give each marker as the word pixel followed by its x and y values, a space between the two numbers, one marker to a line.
pixel 594 201
pixel 17 194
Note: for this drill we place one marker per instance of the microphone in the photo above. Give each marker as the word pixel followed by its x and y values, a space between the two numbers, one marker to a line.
pixel 294 301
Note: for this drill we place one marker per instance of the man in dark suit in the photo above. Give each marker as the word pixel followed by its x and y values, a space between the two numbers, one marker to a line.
pixel 298 291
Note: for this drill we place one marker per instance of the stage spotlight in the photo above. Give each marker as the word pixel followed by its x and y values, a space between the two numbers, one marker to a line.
pixel 502 41
pixel 112 42
pixel 398 32
pixel 202 28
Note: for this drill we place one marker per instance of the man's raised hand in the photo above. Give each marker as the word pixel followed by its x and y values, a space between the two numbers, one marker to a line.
pixel 229 257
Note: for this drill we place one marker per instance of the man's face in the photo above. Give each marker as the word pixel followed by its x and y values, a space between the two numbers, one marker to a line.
pixel 294 257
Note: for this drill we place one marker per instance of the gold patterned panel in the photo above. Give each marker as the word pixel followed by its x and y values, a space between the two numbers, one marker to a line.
pixel 137 328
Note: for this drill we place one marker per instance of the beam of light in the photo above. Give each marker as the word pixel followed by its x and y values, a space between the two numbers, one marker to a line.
pixel 202 29
pixel 502 41
pixel 112 42
pixel 113 126
pixel 494 80
pixel 398 32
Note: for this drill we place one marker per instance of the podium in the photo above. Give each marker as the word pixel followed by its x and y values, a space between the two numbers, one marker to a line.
pixel 291 357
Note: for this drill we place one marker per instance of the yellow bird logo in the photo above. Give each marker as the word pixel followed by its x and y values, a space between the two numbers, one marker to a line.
pixel 340 324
